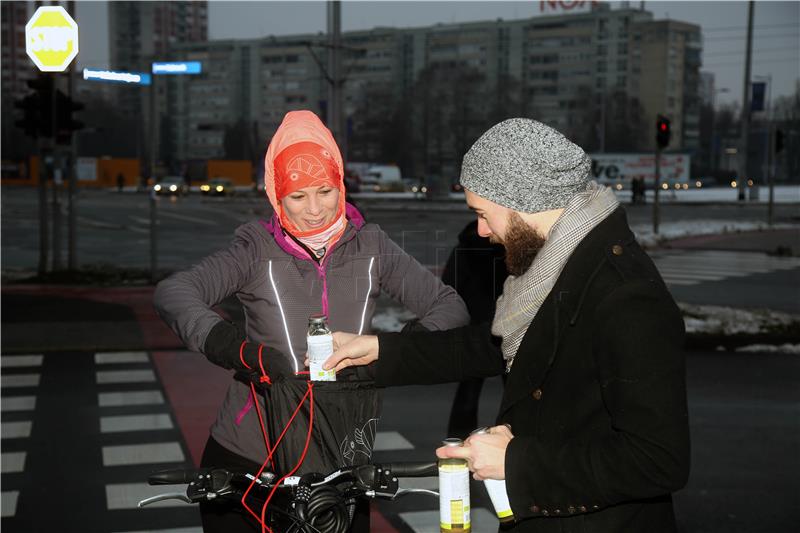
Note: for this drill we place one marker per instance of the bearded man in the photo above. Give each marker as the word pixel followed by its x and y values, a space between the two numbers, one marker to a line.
pixel 592 433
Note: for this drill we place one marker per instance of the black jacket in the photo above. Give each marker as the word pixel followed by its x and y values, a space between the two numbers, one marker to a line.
pixel 596 397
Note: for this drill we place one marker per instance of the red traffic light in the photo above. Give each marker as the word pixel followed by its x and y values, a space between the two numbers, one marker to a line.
pixel 663 126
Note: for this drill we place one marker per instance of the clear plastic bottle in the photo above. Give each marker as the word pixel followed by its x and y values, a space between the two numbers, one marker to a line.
pixel 454 506
pixel 320 348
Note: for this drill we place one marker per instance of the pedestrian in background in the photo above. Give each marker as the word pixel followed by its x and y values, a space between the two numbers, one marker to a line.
pixel 476 269
pixel 593 432
pixel 315 255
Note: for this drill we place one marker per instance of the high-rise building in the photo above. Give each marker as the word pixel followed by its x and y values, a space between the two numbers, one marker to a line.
pixel 143 32
pixel 599 76
pixel 667 61
pixel 17 67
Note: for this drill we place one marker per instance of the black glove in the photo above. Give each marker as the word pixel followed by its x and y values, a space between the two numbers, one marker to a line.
pixel 223 347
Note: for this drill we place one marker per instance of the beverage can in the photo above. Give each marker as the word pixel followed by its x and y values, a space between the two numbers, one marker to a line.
pixel 454 504
pixel 497 491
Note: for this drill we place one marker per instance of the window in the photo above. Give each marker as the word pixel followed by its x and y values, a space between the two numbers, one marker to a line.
pixel 601 66
pixel 602 49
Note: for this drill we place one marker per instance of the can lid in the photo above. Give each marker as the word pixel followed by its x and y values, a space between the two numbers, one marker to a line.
pixel 452 441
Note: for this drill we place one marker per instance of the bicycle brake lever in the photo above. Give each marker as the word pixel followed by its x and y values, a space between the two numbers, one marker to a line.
pixel 166 496
pixel 403 492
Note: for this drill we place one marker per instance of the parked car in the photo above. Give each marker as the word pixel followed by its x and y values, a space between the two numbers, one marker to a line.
pixel 174 185
pixel 218 187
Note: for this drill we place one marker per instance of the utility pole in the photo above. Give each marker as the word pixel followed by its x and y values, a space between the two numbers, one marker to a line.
pixel 334 117
pixel 746 104
pixel 72 256
pixel 56 177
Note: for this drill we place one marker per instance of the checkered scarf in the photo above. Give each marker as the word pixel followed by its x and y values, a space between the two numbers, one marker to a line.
pixel 523 295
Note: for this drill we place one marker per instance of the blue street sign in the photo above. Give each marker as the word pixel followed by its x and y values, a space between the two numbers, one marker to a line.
pixel 134 78
pixel 178 67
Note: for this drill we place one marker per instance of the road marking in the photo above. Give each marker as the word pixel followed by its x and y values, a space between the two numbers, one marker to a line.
pixel 693 267
pixel 391 440
pixel 118 399
pixel 20 380
pixel 12 462
pixel 430 483
pixel 18 403
pixel 187 218
pixel 9 503
pixel 177 530
pixel 99 223
pixel 16 430
pixel 13 361
pixel 103 358
pixel 139 454
pixel 428 521
pixel 128 495
pixel 124 376
pixel 118 424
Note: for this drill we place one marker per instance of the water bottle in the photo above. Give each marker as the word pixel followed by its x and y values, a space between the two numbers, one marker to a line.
pixel 320 348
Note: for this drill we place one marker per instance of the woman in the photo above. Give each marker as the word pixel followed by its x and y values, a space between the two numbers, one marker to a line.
pixel 316 255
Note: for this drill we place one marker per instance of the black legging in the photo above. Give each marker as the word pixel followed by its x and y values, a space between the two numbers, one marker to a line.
pixel 230 516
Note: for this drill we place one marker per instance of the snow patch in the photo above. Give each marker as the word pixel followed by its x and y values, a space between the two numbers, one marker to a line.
pixel 676 230
pixel 771 348
pixel 712 319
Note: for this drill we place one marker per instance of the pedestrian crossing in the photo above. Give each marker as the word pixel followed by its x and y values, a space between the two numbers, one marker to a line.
pixel 124 429
pixel 695 267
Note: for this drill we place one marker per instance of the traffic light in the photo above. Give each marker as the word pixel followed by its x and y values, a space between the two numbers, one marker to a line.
pixel 65 123
pixel 31 120
pixel 663 132
pixel 37 108
pixel 778 141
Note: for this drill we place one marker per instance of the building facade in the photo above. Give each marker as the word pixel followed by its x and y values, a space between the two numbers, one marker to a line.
pixel 600 76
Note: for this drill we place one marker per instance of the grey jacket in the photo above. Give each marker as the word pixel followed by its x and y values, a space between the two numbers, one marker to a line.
pixel 279 287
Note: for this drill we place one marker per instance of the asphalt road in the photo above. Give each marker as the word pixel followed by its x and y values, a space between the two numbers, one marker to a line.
pixel 113 229
pixel 744 411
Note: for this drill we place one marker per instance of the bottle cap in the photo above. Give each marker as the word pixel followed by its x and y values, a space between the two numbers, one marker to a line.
pixel 452 441
pixel 317 319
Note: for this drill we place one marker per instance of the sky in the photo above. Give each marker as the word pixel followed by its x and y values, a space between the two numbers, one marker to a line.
pixel 776 35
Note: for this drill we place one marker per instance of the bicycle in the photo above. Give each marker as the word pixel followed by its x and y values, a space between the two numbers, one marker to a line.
pixel 310 503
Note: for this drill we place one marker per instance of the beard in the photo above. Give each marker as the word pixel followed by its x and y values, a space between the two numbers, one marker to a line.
pixel 522 244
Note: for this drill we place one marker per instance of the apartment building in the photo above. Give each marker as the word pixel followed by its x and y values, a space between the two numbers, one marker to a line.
pixel 599 76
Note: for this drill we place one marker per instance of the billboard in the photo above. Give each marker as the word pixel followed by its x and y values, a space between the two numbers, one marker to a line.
pixel 615 168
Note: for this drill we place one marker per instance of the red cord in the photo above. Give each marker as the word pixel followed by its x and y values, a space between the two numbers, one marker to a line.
pixel 264 377
pixel 309 394
pixel 241 355
pixel 269 454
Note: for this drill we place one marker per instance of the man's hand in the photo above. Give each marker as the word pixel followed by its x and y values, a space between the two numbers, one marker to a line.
pixel 485 454
pixel 352 350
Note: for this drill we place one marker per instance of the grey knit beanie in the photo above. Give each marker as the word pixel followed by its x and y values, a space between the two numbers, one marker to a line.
pixel 525 165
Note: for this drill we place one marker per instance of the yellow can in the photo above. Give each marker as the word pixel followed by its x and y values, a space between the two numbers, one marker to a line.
pixel 454 493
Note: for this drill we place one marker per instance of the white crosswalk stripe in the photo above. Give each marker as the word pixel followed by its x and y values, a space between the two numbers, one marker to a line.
pixel 14 462
pixel 693 267
pixel 428 521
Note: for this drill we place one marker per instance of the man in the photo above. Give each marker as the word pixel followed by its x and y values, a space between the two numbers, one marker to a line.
pixel 592 432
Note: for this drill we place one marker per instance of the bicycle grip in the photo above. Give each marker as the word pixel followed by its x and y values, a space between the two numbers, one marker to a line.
pixel 177 476
pixel 413 469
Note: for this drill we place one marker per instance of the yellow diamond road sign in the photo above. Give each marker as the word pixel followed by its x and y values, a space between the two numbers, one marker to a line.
pixel 51 38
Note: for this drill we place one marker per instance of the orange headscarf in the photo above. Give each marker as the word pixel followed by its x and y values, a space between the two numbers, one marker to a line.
pixel 303 153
